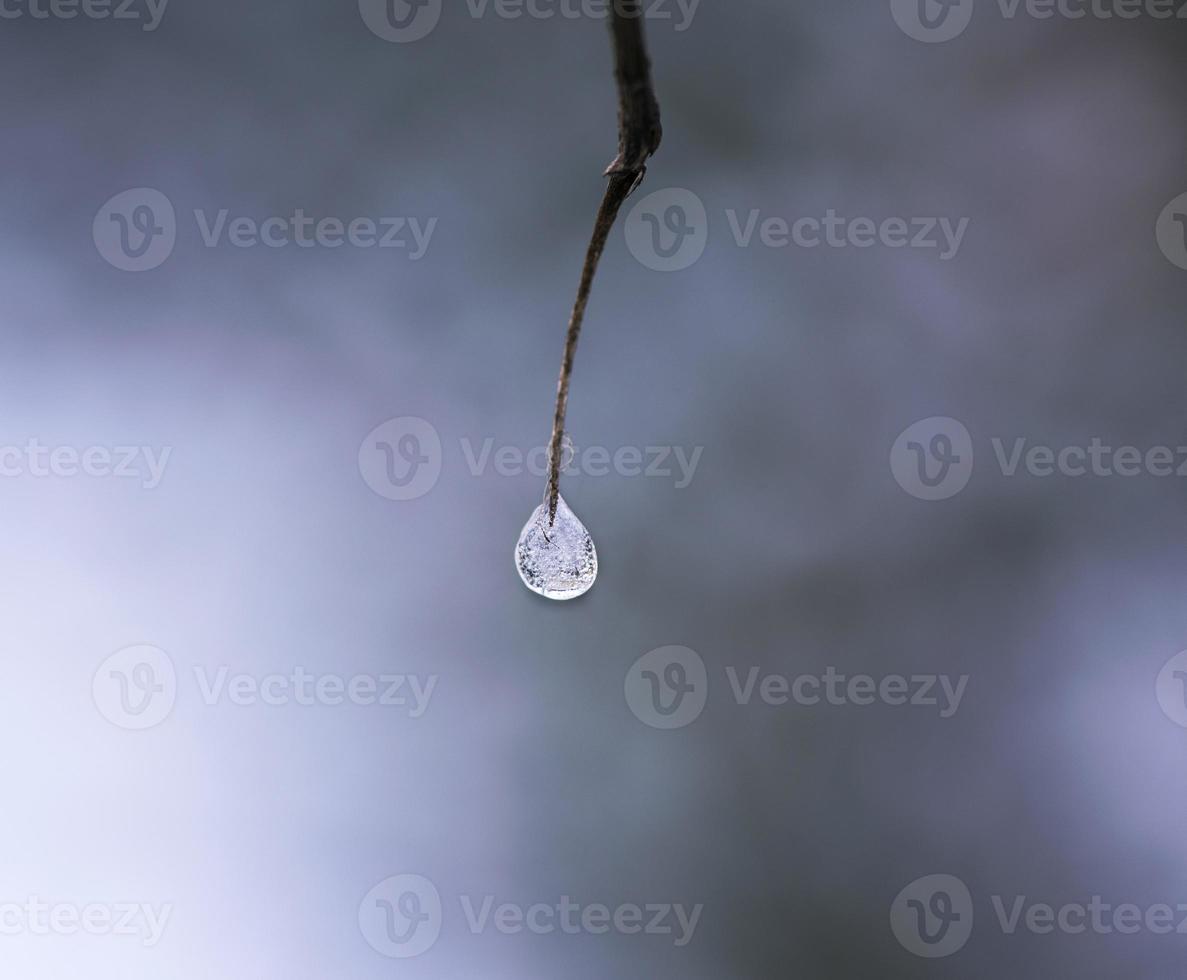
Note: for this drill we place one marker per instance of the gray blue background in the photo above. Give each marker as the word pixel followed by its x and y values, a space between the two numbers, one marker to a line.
pixel 792 549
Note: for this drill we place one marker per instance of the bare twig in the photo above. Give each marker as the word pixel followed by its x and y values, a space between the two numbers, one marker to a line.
pixel 639 134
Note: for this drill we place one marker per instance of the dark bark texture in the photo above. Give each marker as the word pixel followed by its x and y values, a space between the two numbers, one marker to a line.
pixel 639 134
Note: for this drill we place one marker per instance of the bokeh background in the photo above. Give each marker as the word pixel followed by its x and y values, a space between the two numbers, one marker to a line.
pixel 792 549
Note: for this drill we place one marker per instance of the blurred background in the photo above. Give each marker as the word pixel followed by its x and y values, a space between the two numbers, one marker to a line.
pixel 233 460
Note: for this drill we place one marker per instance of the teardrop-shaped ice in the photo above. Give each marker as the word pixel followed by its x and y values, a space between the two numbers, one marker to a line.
pixel 557 561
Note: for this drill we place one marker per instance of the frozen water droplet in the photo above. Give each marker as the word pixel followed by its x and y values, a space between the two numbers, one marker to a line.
pixel 557 561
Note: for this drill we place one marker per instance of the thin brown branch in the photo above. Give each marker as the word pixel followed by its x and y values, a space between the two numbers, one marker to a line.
pixel 639 134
